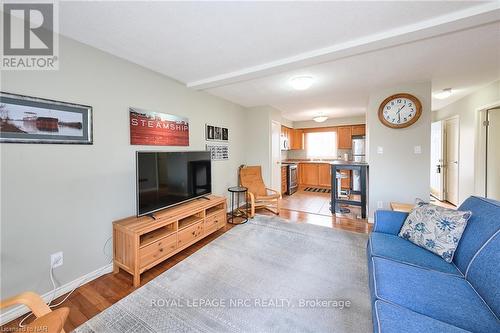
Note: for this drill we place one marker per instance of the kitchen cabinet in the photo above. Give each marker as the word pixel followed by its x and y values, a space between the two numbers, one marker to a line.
pixel 344 137
pixel 296 139
pixel 345 183
pixel 358 130
pixel 309 174
pixel 283 179
pixel 315 174
pixel 324 175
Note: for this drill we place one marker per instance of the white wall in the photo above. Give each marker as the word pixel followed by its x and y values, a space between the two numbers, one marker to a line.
pixel 398 174
pixel 470 170
pixel 258 137
pixel 64 197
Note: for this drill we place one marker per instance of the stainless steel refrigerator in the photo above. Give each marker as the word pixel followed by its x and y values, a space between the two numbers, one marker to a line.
pixel 358 155
pixel 358 148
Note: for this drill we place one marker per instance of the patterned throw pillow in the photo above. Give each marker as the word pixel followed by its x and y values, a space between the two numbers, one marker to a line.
pixel 435 228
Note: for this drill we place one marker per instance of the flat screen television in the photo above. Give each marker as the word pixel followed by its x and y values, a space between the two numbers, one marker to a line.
pixel 166 179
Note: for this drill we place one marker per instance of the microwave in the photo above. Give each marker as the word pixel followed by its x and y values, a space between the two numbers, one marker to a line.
pixel 284 144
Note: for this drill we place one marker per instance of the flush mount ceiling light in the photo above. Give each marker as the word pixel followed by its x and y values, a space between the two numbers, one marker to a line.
pixel 445 93
pixel 320 119
pixel 301 82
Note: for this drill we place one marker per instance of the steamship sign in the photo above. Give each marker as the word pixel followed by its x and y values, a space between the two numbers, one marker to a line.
pixel 158 129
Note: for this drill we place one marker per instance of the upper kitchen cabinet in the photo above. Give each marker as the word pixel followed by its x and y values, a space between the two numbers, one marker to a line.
pixel 358 130
pixel 344 137
pixel 296 139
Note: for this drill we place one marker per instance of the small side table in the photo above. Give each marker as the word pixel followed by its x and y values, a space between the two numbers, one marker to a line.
pixel 401 207
pixel 235 200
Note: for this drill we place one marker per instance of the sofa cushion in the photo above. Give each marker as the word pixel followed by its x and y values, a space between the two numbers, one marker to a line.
pixel 390 318
pixel 483 223
pixel 484 273
pixel 399 249
pixel 445 297
pixel 435 228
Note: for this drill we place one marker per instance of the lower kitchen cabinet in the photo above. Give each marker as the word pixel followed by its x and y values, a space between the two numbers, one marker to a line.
pixel 324 175
pixel 315 174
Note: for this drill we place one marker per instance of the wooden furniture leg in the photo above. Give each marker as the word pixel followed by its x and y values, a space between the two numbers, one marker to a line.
pixel 47 320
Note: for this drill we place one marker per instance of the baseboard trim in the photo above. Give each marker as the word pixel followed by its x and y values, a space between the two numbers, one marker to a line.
pixel 20 310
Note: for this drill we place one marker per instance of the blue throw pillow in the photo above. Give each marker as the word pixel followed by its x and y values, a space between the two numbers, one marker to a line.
pixel 435 228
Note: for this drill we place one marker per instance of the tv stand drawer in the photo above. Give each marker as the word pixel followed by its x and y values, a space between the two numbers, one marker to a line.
pixel 156 250
pixel 189 234
pixel 218 220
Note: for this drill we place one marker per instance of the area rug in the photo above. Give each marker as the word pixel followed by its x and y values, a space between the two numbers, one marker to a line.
pixel 317 190
pixel 267 275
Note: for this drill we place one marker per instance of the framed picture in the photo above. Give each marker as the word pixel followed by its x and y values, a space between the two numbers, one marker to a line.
pixel 214 133
pixel 25 119
pixel 210 132
pixel 218 151
pixel 158 129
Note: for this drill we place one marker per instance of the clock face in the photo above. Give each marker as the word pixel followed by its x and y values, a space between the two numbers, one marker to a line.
pixel 399 110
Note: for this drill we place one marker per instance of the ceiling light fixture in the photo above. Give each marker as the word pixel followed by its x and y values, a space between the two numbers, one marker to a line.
pixel 445 93
pixel 301 82
pixel 320 119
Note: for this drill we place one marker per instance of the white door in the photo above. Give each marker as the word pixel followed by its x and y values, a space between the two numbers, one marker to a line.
pixel 452 137
pixel 437 160
pixel 493 155
pixel 275 156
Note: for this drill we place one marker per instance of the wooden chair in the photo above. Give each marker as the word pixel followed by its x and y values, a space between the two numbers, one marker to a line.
pixel 46 319
pixel 260 196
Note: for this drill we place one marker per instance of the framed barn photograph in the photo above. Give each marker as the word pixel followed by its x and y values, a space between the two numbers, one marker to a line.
pixel 25 119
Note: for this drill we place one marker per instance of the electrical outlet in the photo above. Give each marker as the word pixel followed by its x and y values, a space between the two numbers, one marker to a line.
pixel 380 150
pixel 380 204
pixel 417 149
pixel 56 259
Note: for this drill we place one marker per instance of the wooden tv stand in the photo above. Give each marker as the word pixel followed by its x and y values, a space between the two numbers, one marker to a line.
pixel 140 243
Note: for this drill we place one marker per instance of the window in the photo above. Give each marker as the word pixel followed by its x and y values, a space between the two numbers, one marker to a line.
pixel 321 145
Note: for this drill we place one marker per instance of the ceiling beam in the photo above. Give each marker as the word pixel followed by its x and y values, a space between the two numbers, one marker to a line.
pixel 456 21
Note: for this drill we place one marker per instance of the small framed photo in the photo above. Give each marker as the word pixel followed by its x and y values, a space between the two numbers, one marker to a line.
pixel 218 151
pixel 215 133
pixel 25 119
pixel 210 132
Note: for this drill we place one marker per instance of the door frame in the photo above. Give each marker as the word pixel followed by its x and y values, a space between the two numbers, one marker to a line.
pixel 440 196
pixel 271 165
pixel 445 155
pixel 480 148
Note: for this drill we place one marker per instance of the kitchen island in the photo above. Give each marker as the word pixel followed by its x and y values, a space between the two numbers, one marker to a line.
pixel 359 184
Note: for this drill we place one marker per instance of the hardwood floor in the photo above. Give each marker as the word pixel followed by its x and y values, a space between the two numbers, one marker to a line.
pixel 97 295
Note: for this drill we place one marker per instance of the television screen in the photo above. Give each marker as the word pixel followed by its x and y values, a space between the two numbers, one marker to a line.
pixel 168 178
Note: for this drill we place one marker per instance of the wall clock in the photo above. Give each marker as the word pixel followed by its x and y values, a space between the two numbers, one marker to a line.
pixel 399 110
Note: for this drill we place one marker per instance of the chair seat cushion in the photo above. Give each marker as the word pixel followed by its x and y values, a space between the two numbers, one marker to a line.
pixel 390 318
pixel 396 248
pixel 268 197
pixel 444 297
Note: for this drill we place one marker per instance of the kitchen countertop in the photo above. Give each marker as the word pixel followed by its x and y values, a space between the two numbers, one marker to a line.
pixel 336 162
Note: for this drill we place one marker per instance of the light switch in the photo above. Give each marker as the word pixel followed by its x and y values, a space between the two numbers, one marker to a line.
pixel 380 150
pixel 417 149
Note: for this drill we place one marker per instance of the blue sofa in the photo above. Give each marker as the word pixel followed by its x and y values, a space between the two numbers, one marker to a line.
pixel 414 290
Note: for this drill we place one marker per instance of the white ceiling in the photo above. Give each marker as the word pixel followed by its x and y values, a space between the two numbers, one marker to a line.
pixel 246 52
